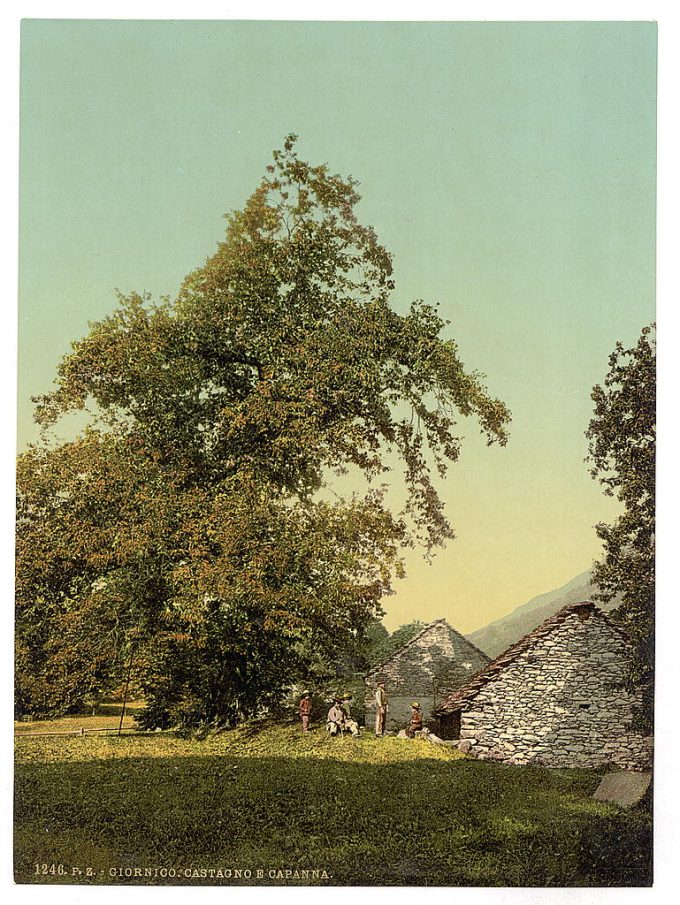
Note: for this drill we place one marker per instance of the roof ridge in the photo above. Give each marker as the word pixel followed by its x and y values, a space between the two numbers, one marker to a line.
pixel 499 663
pixel 415 638
pixel 403 647
pixel 470 643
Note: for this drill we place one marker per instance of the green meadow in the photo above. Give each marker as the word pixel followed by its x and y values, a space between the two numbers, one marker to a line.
pixel 273 804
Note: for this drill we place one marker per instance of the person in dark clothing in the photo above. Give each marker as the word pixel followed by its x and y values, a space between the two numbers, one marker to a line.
pixel 350 724
pixel 416 723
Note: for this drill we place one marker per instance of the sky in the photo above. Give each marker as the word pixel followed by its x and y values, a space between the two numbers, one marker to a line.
pixel 508 167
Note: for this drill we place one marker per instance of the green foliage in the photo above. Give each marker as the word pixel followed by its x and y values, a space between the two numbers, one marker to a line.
pixel 369 811
pixel 375 634
pixel 193 515
pixel 622 437
pixel 87 577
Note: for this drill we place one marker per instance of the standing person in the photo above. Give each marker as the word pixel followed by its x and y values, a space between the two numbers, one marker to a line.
pixel 305 710
pixel 382 705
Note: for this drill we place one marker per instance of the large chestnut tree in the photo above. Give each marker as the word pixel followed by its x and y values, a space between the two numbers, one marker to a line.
pixel 190 529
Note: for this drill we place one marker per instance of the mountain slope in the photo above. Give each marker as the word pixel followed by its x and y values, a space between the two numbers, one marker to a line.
pixel 494 638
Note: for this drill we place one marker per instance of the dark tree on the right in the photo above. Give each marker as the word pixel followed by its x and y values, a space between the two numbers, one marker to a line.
pixel 622 446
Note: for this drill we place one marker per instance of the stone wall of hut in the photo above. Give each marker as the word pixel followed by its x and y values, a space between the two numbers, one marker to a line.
pixel 427 670
pixel 562 703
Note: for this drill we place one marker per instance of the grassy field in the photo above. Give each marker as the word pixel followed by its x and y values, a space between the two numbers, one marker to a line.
pixel 358 812
pixel 106 717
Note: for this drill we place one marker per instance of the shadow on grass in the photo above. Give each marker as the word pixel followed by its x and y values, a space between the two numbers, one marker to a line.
pixel 418 822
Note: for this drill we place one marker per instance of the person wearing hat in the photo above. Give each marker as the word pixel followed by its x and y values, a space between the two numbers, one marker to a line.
pixel 350 724
pixel 416 723
pixel 335 722
pixel 382 706
pixel 305 710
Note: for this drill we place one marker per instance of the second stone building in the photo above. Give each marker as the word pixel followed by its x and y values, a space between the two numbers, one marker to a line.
pixel 427 669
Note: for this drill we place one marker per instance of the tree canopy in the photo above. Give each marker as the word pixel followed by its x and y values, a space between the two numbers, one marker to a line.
pixel 192 521
pixel 622 444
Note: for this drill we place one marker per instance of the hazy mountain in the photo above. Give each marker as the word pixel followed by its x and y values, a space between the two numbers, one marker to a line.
pixel 494 638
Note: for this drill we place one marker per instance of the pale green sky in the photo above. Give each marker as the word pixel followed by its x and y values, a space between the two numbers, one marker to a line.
pixel 509 167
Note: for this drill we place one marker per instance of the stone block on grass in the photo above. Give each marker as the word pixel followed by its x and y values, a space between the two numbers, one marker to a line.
pixel 624 788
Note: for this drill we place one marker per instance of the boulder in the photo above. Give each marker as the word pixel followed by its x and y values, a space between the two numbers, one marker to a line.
pixel 624 788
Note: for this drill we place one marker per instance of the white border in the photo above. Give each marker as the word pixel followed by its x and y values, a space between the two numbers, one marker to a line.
pixel 668 301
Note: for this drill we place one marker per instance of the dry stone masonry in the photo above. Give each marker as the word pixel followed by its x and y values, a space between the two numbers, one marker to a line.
pixel 556 698
pixel 427 669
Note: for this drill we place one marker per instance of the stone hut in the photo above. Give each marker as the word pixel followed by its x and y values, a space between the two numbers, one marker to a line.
pixel 556 698
pixel 427 669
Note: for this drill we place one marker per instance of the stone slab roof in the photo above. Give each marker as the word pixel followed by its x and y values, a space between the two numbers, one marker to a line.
pixel 464 695
pixel 428 628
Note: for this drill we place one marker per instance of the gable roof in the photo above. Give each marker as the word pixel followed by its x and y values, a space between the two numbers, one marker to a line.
pixel 377 669
pixel 462 696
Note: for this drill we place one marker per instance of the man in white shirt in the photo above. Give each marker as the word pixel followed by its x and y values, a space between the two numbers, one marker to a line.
pixel 382 705
pixel 335 722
